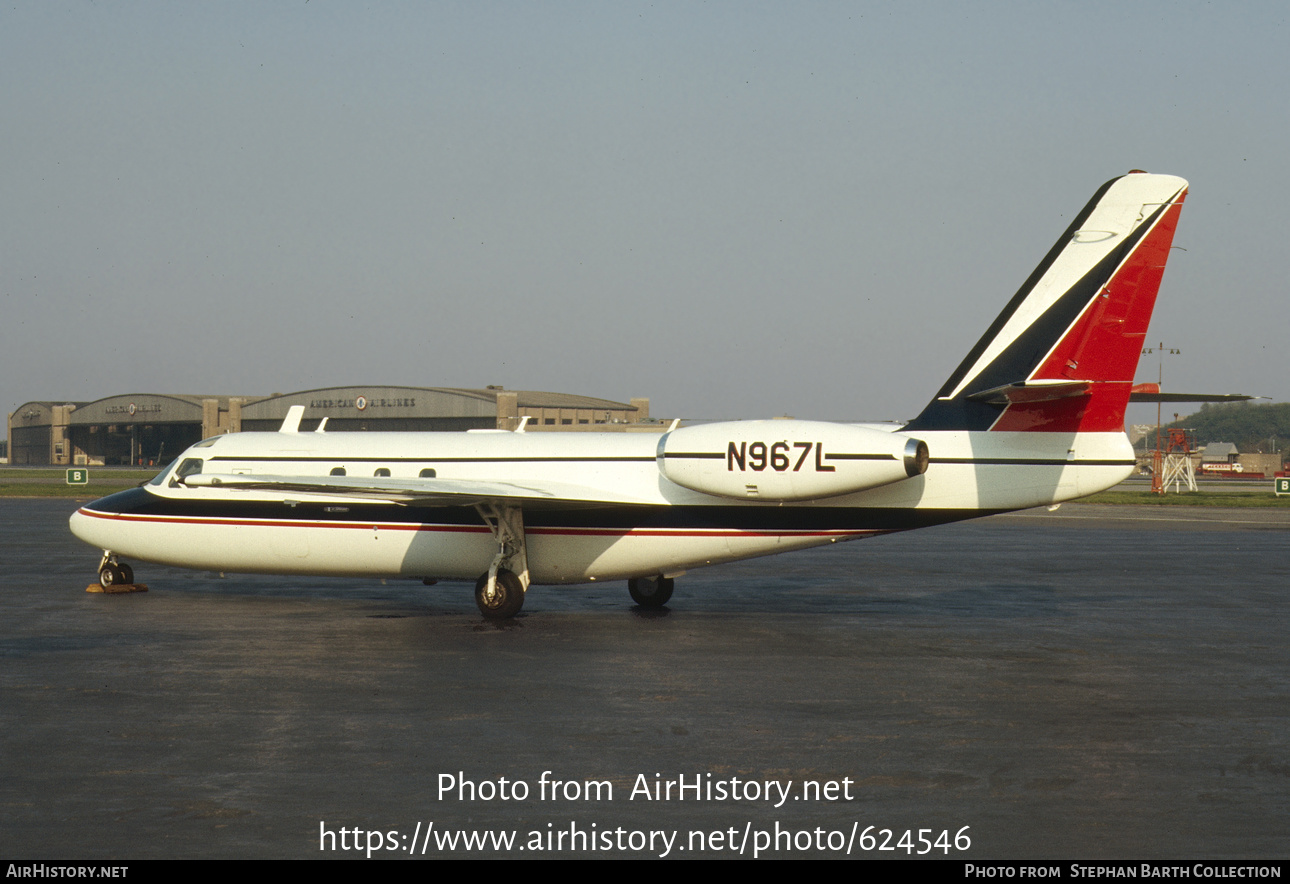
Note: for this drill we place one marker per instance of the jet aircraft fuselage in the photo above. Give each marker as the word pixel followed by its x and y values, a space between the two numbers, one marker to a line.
pixel 1033 415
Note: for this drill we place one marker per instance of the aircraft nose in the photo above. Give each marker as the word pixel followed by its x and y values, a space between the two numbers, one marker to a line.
pixel 81 525
pixel 104 522
pixel 88 528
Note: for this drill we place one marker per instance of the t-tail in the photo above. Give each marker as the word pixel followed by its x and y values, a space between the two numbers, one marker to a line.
pixel 1061 356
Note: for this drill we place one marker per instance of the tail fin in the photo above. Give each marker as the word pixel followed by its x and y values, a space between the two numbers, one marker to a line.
pixel 1062 354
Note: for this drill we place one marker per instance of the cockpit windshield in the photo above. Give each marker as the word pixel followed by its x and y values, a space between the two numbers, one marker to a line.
pixel 187 467
pixel 160 478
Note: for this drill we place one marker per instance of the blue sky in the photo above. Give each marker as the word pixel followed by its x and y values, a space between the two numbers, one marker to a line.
pixel 736 209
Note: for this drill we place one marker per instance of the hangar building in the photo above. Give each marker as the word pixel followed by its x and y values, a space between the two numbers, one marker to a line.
pixel 151 428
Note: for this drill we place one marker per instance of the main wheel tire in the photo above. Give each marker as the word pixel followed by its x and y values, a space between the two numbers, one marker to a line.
pixel 112 575
pixel 507 598
pixel 127 574
pixel 650 592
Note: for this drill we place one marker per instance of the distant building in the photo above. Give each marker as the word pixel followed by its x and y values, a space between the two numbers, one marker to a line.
pixel 1220 458
pixel 1219 452
pixel 151 428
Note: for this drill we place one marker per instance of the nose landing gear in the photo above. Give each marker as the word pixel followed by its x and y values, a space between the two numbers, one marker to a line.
pixel 113 572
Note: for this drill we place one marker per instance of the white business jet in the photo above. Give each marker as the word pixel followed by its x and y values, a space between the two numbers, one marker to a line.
pixel 1034 415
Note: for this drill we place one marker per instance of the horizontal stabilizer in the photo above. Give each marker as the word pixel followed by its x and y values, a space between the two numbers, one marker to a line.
pixel 1153 393
pixel 1035 391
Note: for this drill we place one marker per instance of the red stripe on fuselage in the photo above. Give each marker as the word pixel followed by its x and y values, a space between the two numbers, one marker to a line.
pixel 473 529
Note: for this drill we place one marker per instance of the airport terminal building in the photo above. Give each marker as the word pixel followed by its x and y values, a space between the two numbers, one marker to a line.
pixel 151 428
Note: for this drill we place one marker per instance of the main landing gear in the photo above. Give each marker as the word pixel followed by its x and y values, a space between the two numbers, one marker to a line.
pixel 499 591
pixel 503 599
pixel 650 592
pixel 114 573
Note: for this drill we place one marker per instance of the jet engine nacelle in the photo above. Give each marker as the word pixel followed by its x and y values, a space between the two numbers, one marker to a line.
pixel 787 459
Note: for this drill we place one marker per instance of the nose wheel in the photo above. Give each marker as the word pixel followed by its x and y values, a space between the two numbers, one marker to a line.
pixel 113 572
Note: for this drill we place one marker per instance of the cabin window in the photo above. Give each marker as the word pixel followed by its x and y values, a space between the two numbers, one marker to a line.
pixel 427 473
pixel 382 472
pixel 338 471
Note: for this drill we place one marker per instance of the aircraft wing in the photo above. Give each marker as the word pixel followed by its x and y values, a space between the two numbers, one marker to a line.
pixel 449 492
